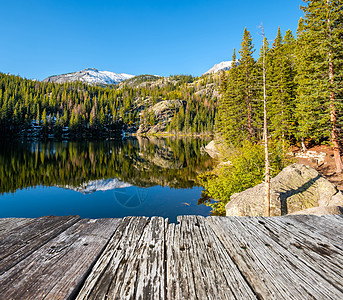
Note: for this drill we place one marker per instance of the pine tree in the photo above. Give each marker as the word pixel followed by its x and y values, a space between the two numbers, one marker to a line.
pixel 37 114
pixel 231 118
pixel 281 88
pixel 44 121
pixel 246 70
pixel 320 72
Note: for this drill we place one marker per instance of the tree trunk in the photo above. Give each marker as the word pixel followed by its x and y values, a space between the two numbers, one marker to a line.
pixel 266 154
pixel 265 136
pixel 303 146
pixel 334 135
pixel 335 139
pixel 249 116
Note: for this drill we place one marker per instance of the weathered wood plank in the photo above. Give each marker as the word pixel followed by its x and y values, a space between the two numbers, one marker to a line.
pixel 325 226
pixel 312 249
pixel 117 273
pixel 271 270
pixel 150 261
pixel 334 218
pixel 179 285
pixel 23 240
pixel 7 224
pixel 198 266
pixel 292 257
pixel 57 269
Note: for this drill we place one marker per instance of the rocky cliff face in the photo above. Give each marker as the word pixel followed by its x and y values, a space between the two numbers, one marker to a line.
pixel 296 188
pixel 91 76
pixel 164 112
pixel 204 89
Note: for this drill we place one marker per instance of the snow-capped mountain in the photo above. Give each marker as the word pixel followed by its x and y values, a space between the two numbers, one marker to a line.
pixel 91 76
pixel 224 65
pixel 99 185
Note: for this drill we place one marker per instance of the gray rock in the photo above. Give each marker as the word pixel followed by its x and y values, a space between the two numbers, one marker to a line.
pixel 164 112
pixel 296 188
pixel 211 149
pixel 319 211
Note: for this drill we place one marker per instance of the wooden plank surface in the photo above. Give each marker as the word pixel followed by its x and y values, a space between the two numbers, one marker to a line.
pixel 271 270
pixel 314 250
pixel 198 266
pixel 20 242
pixel 338 219
pixel 291 257
pixel 116 273
pixel 7 224
pixel 58 268
pixel 327 227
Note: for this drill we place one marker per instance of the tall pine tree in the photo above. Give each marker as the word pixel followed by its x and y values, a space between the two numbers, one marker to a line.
pixel 320 72
pixel 281 87
pixel 246 71
pixel 231 117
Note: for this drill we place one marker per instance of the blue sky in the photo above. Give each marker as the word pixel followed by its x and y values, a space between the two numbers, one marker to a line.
pixel 45 37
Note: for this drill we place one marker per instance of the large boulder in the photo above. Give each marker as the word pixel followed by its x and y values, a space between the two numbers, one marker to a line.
pixel 322 210
pixel 211 149
pixel 296 188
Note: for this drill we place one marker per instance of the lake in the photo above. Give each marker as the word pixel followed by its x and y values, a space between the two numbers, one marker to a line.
pixel 107 179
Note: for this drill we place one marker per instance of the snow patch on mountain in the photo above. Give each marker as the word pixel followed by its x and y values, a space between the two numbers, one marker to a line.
pixel 91 76
pixel 223 66
pixel 99 185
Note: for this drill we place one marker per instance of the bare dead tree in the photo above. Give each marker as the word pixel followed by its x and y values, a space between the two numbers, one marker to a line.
pixel 265 129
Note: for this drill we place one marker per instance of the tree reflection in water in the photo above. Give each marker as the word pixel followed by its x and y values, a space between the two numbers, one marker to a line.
pixel 141 162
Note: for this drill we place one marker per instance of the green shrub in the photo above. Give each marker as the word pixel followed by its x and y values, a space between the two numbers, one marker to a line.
pixel 246 170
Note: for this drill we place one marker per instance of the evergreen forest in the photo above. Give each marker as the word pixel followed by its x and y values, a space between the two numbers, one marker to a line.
pixel 75 109
pixel 303 93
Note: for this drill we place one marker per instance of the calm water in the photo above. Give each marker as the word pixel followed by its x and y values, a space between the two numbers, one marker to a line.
pixel 133 177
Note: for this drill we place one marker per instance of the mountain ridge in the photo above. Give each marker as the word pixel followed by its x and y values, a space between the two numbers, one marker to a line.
pixel 90 76
pixel 222 66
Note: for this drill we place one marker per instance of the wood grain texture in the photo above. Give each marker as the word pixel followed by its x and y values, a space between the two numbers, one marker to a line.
pixel 7 224
pixel 291 257
pixel 198 266
pixel 271 270
pixel 131 266
pixel 314 250
pixel 23 240
pixel 58 268
pixel 327 227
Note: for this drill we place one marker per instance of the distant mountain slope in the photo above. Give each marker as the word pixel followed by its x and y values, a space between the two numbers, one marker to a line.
pixel 91 76
pixel 224 65
pixel 137 80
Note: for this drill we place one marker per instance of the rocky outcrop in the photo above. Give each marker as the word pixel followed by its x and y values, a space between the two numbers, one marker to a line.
pixel 164 112
pixel 320 211
pixel 211 149
pixel 296 188
pixel 318 157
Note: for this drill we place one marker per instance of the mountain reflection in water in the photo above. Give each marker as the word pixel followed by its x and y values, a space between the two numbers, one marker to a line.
pixel 136 176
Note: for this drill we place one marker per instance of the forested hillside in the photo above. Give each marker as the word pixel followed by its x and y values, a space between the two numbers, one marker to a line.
pixel 304 84
pixel 33 108
pixel 240 113
pixel 303 93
